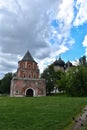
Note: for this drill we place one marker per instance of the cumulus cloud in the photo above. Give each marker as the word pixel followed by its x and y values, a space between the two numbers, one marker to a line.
pixel 85 41
pixel 81 12
pixel 8 63
pixel 24 25
pixel 63 20
pixel 85 44
pixel 40 26
pixel 65 13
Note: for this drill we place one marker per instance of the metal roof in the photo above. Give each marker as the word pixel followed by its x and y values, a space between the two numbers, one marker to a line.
pixel 28 57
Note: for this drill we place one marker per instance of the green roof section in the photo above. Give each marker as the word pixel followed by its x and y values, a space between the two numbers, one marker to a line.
pixel 28 57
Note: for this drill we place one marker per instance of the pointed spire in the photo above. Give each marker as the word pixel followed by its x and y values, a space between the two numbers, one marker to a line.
pixel 59 56
pixel 28 57
pixel 68 63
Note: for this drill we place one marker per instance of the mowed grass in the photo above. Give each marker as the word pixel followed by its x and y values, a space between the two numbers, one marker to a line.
pixel 39 113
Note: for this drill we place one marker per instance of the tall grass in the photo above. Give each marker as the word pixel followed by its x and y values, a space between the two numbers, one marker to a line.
pixel 43 113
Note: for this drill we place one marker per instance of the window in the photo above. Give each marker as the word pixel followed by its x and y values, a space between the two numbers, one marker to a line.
pixel 29 76
pixel 29 66
pixel 17 91
pixel 23 66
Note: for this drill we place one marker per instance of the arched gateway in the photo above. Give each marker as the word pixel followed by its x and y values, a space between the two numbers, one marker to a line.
pixel 27 75
pixel 29 92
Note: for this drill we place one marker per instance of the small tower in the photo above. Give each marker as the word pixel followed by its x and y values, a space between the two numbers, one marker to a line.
pixel 27 67
pixel 68 65
pixel 27 81
pixel 59 64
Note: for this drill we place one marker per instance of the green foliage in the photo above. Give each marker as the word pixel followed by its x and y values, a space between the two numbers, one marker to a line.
pixel 82 61
pixel 62 82
pixel 5 83
pixel 73 81
pixel 48 75
pixel 52 78
pixel 76 81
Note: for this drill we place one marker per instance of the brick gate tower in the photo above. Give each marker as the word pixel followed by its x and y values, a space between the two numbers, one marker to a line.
pixel 26 82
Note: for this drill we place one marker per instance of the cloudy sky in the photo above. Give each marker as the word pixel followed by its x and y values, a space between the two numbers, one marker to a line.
pixel 47 28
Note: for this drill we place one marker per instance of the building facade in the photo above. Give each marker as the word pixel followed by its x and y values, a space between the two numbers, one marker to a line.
pixel 26 81
pixel 61 65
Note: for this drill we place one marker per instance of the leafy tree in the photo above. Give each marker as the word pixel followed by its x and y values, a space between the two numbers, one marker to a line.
pixel 52 78
pixel 82 61
pixel 48 75
pixel 73 82
pixel 5 83
pixel 61 83
pixel 76 81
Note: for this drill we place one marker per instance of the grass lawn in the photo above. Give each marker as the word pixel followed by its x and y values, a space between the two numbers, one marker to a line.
pixel 39 113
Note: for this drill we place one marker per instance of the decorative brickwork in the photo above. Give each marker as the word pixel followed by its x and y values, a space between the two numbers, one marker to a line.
pixel 27 82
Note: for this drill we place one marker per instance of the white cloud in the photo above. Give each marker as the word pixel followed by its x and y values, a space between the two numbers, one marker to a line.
pixel 8 62
pixel 64 17
pixel 81 17
pixel 75 62
pixel 84 43
pixel 26 25
pixel 48 60
pixel 66 12
pixel 86 51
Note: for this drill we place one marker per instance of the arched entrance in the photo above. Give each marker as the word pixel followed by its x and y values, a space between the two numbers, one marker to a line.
pixel 29 93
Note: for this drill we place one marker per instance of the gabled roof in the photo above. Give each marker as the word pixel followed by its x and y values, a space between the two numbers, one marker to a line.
pixel 28 57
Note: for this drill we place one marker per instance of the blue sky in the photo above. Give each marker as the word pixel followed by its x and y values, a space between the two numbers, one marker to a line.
pixel 47 28
pixel 77 50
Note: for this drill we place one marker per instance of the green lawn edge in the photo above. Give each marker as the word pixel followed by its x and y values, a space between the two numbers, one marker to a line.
pixel 39 113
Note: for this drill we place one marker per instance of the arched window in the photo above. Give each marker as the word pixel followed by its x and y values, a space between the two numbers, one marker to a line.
pixel 29 66
pixel 23 66
pixel 17 91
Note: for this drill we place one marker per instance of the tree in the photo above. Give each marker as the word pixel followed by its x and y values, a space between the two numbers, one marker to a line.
pixel 61 83
pixel 82 61
pixel 73 81
pixel 5 83
pixel 76 81
pixel 48 75
pixel 52 78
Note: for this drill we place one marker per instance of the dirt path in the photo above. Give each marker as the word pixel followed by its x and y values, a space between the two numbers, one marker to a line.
pixel 81 120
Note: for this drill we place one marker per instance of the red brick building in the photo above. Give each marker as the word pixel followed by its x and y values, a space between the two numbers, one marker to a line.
pixel 26 82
